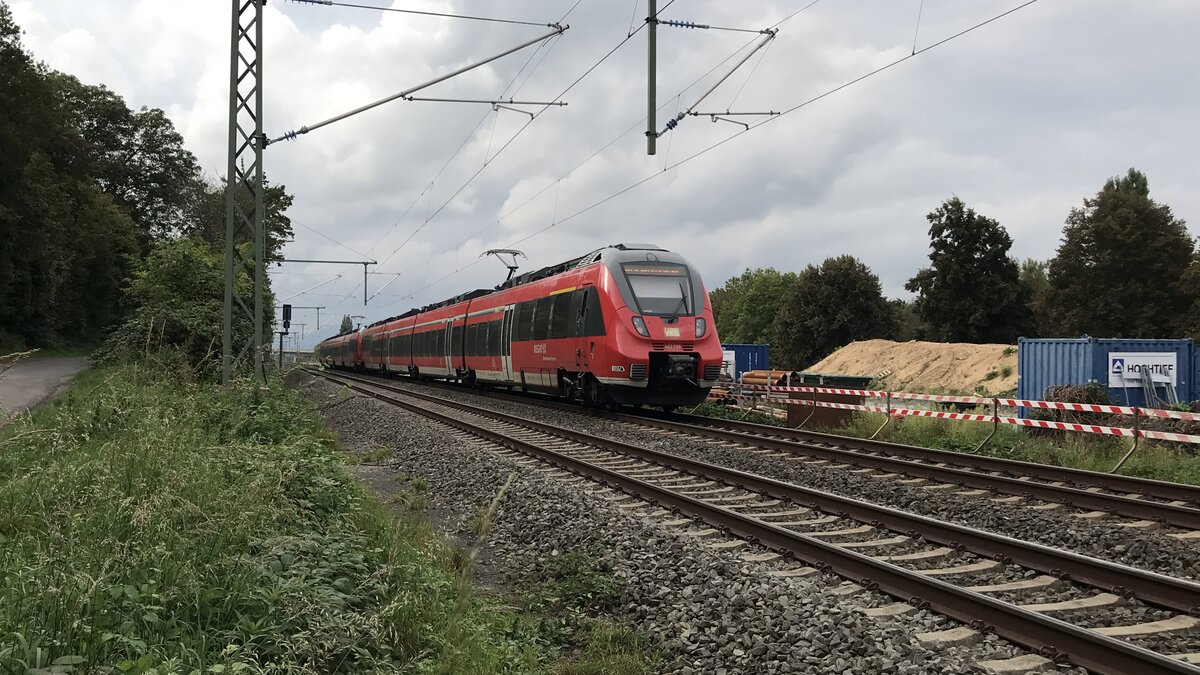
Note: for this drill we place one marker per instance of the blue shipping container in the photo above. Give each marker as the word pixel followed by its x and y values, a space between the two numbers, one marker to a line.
pixel 1044 363
pixel 746 358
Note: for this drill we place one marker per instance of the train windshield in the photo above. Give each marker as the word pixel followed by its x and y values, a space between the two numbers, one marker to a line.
pixel 662 289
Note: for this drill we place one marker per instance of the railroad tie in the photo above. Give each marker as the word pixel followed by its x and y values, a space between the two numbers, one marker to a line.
pixel 969 568
pixel 726 545
pixel 1175 623
pixel 875 543
pixel 894 609
pixel 1026 663
pixel 1098 600
pixel 940 552
pixel 761 557
pixel 1042 581
pixel 1048 506
pixel 862 529
pixel 953 637
pixel 797 572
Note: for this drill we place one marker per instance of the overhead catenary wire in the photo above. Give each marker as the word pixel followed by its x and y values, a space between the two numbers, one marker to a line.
pixel 511 139
pixel 291 135
pixel 333 3
pixel 329 238
pixel 705 150
pixel 450 158
pixel 619 136
pixel 674 121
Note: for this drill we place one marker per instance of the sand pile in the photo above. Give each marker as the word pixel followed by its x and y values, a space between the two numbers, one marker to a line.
pixel 930 367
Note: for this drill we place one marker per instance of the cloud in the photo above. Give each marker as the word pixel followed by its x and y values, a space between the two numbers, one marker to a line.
pixel 1022 119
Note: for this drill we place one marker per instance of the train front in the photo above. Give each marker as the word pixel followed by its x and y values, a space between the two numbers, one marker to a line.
pixel 666 351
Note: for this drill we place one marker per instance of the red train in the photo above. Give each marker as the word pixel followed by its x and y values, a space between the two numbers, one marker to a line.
pixel 626 324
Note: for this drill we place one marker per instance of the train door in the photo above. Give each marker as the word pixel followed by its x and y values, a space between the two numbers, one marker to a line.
pixel 579 306
pixel 448 352
pixel 506 327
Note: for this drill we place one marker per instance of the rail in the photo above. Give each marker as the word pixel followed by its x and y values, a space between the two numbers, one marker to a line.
pixel 1053 637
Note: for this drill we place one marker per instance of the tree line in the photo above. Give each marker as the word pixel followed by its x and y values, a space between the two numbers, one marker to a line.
pixel 108 227
pixel 1125 267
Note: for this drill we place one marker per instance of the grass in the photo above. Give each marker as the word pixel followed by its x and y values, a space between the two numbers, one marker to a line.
pixel 1094 453
pixel 155 524
pixel 731 413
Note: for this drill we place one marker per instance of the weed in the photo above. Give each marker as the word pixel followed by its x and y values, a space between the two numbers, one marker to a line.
pixel 726 412
pixel 1009 351
pixel 1054 448
pixel 374 456
pixel 991 375
pixel 1005 371
pixel 156 524
pixel 419 485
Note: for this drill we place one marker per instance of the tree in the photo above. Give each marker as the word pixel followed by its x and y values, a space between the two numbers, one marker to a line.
pixel 828 307
pixel 137 157
pixel 906 324
pixel 207 217
pixel 1190 286
pixel 1120 269
pixel 1035 286
pixel 971 292
pixel 347 324
pixel 178 298
pixel 745 307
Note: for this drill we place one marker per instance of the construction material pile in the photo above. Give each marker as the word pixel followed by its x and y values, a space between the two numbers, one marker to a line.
pixel 929 367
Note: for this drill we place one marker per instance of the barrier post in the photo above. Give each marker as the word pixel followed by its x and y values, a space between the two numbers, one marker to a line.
pixel 813 410
pixel 995 424
pixel 886 419
pixel 742 396
pixel 1137 434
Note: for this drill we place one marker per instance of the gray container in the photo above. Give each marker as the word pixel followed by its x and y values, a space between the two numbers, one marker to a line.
pixel 1117 363
pixel 747 357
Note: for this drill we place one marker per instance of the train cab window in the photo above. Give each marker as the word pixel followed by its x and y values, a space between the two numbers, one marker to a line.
pixel 541 319
pixel 561 318
pixel 662 289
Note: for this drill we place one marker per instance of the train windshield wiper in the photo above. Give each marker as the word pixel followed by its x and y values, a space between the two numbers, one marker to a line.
pixel 680 306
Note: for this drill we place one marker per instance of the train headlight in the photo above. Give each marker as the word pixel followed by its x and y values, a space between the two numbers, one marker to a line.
pixel 640 326
pixel 701 327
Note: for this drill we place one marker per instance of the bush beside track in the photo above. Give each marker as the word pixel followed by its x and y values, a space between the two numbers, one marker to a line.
pixel 157 524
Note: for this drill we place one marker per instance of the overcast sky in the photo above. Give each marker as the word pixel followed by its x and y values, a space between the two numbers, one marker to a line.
pixel 1022 119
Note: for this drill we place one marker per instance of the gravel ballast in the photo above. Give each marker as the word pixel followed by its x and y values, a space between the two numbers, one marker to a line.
pixel 1061 528
pixel 708 611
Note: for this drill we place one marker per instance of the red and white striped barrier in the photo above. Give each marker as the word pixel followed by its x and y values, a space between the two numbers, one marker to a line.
pixel 767 393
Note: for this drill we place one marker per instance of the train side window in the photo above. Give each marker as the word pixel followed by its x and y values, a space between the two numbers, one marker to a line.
pixel 541 319
pixel 472 340
pixel 456 340
pixel 560 323
pixel 524 321
pixel 493 338
pixel 593 318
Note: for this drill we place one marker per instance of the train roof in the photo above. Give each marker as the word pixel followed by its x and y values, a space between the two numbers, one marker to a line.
pixel 527 278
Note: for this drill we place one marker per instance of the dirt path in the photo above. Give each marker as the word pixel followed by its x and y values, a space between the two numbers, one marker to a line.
pixel 30 382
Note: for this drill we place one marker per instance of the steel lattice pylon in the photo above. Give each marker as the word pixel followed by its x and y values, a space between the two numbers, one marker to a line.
pixel 244 217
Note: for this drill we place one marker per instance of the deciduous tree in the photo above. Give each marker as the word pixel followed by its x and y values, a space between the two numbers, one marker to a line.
pixel 827 307
pixel 746 305
pixel 971 291
pixel 1119 271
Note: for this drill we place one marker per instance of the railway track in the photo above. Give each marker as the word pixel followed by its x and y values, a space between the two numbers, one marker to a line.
pixel 1146 503
pixel 906 556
